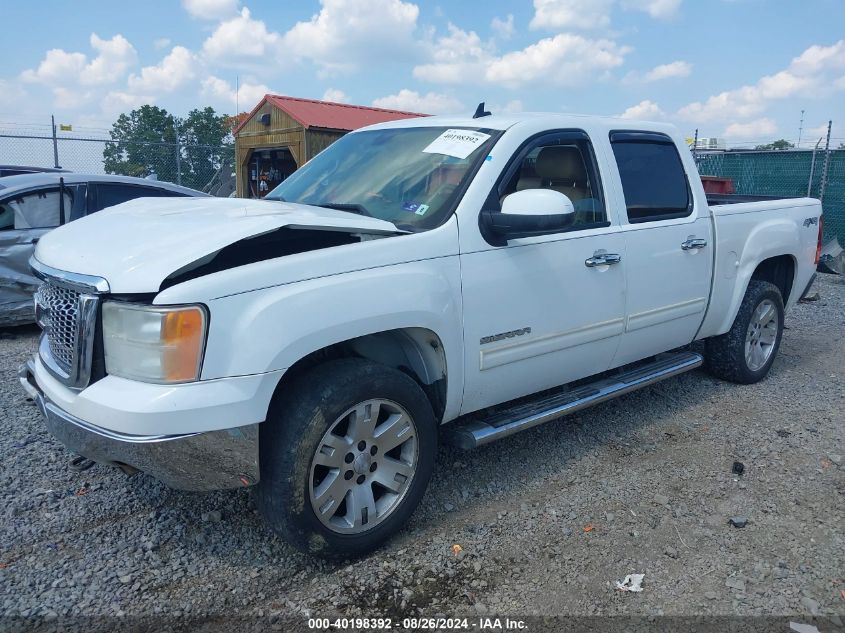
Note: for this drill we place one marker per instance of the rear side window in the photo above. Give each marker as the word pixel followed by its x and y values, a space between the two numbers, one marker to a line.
pixel 34 210
pixel 109 195
pixel 653 177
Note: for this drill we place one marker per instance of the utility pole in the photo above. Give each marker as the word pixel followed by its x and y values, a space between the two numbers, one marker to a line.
pixel 813 167
pixel 800 130
pixel 55 143
pixel 695 148
pixel 826 163
pixel 178 154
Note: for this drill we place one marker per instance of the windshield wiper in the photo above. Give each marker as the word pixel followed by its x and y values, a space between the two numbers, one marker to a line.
pixel 351 207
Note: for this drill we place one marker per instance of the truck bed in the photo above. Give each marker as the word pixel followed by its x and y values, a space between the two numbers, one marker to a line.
pixel 735 198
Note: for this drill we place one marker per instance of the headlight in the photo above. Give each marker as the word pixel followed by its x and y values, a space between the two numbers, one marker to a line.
pixel 151 344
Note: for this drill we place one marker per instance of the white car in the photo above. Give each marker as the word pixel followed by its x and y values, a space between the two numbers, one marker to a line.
pixel 425 280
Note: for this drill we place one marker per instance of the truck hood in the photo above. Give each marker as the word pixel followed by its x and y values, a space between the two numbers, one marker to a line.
pixel 136 245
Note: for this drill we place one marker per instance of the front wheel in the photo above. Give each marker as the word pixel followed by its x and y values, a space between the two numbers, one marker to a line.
pixel 745 353
pixel 345 457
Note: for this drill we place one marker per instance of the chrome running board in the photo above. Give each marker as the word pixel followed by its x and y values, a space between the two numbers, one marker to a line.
pixel 473 430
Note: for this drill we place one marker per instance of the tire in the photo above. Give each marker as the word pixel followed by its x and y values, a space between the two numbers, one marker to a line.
pixel 727 356
pixel 306 493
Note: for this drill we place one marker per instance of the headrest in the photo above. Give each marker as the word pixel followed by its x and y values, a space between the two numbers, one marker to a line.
pixel 561 162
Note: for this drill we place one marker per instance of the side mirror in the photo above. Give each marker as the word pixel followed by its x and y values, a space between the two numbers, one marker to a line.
pixel 529 213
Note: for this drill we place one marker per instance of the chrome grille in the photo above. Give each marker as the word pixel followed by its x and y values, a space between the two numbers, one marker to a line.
pixel 61 307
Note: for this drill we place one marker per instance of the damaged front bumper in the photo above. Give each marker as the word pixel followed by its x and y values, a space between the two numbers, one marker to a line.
pixel 212 460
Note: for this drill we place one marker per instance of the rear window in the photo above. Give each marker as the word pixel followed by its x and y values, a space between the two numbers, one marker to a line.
pixel 653 177
pixel 110 194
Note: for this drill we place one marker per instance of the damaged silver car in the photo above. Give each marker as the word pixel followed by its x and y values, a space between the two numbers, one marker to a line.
pixel 33 204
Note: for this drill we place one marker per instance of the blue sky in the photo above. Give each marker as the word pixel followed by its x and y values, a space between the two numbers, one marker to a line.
pixel 740 69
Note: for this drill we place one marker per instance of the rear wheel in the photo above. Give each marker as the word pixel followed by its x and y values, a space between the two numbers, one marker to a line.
pixel 346 457
pixel 746 352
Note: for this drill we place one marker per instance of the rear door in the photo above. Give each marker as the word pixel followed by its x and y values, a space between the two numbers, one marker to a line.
pixel 668 245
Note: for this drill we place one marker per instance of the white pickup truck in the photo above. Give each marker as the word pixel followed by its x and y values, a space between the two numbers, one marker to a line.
pixel 432 279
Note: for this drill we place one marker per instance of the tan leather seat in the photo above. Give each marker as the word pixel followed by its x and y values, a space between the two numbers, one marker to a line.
pixel 562 168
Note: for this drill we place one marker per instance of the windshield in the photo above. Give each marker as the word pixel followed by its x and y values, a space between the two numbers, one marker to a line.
pixel 409 176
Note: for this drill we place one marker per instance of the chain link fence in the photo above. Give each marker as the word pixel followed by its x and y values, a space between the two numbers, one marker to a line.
pixel 787 174
pixel 204 167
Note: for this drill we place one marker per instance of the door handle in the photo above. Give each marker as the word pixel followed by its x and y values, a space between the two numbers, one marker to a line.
pixel 693 244
pixel 602 259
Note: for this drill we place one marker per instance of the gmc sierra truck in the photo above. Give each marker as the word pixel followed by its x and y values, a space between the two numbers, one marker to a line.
pixel 426 280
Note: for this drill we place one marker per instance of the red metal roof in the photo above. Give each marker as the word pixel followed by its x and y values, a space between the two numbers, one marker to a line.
pixel 326 114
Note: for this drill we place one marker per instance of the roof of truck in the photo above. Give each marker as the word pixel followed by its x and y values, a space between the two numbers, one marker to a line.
pixel 550 119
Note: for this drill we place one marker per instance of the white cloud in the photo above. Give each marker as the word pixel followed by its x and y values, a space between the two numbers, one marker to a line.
pixel 593 14
pixel 175 70
pixel 57 66
pixel 571 14
pixel 335 95
pixel 242 37
pixel 114 57
pixel 503 28
pixel 667 71
pixel 118 101
pixel 11 94
pixel 70 98
pixel 658 73
pixel 412 101
pixel 458 57
pixel 818 58
pixel 248 95
pixel 347 33
pixel 644 110
pixel 811 73
pixel 210 9
pixel 750 129
pixel 515 105
pixel 462 57
pixel 564 59
pixel 659 9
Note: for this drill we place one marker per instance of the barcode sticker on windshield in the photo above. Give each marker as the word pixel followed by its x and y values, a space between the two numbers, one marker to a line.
pixel 457 143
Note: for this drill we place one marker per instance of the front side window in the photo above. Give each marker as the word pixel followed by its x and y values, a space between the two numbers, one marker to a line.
pixel 567 166
pixel 653 178
pixel 412 177
pixel 33 210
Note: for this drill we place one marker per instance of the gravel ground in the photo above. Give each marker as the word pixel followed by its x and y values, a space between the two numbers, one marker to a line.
pixel 545 522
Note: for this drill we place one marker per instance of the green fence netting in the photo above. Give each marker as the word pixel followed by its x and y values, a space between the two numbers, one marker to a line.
pixel 785 173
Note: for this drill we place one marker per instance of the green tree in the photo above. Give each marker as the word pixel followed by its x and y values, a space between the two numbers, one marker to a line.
pixel 207 145
pixel 779 144
pixel 143 143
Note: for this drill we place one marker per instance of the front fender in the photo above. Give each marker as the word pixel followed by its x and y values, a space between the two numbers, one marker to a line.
pixel 270 329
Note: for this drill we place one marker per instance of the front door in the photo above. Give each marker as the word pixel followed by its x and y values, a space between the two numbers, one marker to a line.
pixel 538 312
pixel 24 218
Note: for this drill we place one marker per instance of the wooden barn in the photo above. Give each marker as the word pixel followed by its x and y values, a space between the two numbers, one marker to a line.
pixel 282 133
